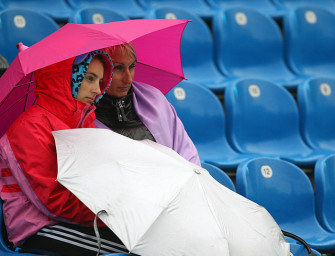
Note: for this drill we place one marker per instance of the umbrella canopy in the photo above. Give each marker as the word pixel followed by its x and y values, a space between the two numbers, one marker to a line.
pixel 157 202
pixel 157 44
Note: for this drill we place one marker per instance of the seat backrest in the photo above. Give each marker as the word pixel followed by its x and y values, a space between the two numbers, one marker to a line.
pixel 20 25
pixel 316 99
pixel 96 15
pixel 261 117
pixel 309 40
pixel 219 175
pixel 58 10
pixel 197 7
pixel 300 250
pixel 130 8
pixel 292 3
pixel 324 178
pixel 197 48
pixel 248 43
pixel 200 111
pixel 265 6
pixel 279 186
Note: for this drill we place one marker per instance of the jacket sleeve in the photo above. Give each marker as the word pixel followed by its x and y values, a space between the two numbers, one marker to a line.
pixel 34 148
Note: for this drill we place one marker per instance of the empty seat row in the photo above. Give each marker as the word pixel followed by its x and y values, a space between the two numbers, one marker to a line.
pixel 242 43
pixel 60 10
pixel 271 182
pixel 287 193
pixel 261 118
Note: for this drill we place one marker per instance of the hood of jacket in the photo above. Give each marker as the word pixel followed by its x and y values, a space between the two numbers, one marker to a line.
pixel 53 92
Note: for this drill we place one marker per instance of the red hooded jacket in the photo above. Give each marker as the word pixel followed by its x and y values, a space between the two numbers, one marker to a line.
pixel 29 155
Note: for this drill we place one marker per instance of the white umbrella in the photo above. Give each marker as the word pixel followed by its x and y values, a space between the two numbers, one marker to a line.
pixel 157 202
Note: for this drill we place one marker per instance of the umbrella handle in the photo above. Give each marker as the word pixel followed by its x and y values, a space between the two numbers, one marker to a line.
pixel 97 234
pixel 302 241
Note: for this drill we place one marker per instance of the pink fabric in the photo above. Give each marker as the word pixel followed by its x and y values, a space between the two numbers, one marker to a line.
pixel 157 44
pixel 31 219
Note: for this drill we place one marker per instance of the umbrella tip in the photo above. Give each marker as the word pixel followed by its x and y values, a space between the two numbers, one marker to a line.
pixel 21 47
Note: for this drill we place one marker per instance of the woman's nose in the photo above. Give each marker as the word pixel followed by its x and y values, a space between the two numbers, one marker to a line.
pixel 96 88
pixel 127 76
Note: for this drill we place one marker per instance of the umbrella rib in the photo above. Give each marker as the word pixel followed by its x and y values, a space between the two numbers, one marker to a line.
pixel 162 70
pixel 177 194
pixel 23 97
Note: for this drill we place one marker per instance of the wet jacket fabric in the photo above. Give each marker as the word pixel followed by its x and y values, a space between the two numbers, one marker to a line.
pixel 32 197
pixel 120 116
pixel 161 119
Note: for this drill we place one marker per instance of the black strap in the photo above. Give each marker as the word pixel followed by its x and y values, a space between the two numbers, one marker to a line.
pixel 302 241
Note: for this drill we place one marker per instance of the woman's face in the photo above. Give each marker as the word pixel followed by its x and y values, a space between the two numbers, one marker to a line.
pixel 123 74
pixel 90 87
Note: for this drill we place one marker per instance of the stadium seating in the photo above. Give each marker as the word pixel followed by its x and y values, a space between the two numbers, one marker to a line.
pixel 130 8
pixel 197 7
pixel 300 250
pixel 287 193
pixel 202 115
pixel 262 117
pixel 324 178
pixel 316 99
pixel 249 43
pixel 197 48
pixel 56 9
pixel 288 4
pixel 265 6
pixel 219 175
pixel 309 40
pixel 96 15
pixel 20 25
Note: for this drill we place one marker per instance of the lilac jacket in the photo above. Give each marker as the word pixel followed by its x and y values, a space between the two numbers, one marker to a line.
pixel 158 115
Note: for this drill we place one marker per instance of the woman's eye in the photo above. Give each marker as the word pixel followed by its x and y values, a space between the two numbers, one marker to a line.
pixel 118 68
pixel 90 78
pixel 132 66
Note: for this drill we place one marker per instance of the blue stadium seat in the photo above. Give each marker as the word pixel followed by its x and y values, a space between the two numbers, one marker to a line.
pixel 249 43
pixel 202 115
pixel 309 40
pixel 130 8
pixel 262 117
pixel 316 99
pixel 300 250
pixel 265 6
pixel 56 9
pixel 96 15
pixel 324 178
pixel 286 5
pixel 197 7
pixel 21 25
pixel 219 175
pixel 197 48
pixel 287 193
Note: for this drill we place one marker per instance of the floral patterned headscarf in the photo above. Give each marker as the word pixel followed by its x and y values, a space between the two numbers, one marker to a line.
pixel 79 70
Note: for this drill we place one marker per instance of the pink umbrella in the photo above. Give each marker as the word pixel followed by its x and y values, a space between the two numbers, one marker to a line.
pixel 157 44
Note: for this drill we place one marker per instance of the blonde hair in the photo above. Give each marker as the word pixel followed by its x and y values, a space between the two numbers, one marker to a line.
pixel 127 48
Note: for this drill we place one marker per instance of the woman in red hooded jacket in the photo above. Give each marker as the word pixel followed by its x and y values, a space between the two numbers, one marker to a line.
pixel 40 214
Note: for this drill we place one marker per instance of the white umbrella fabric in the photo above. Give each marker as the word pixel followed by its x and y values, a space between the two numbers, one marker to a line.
pixel 157 202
